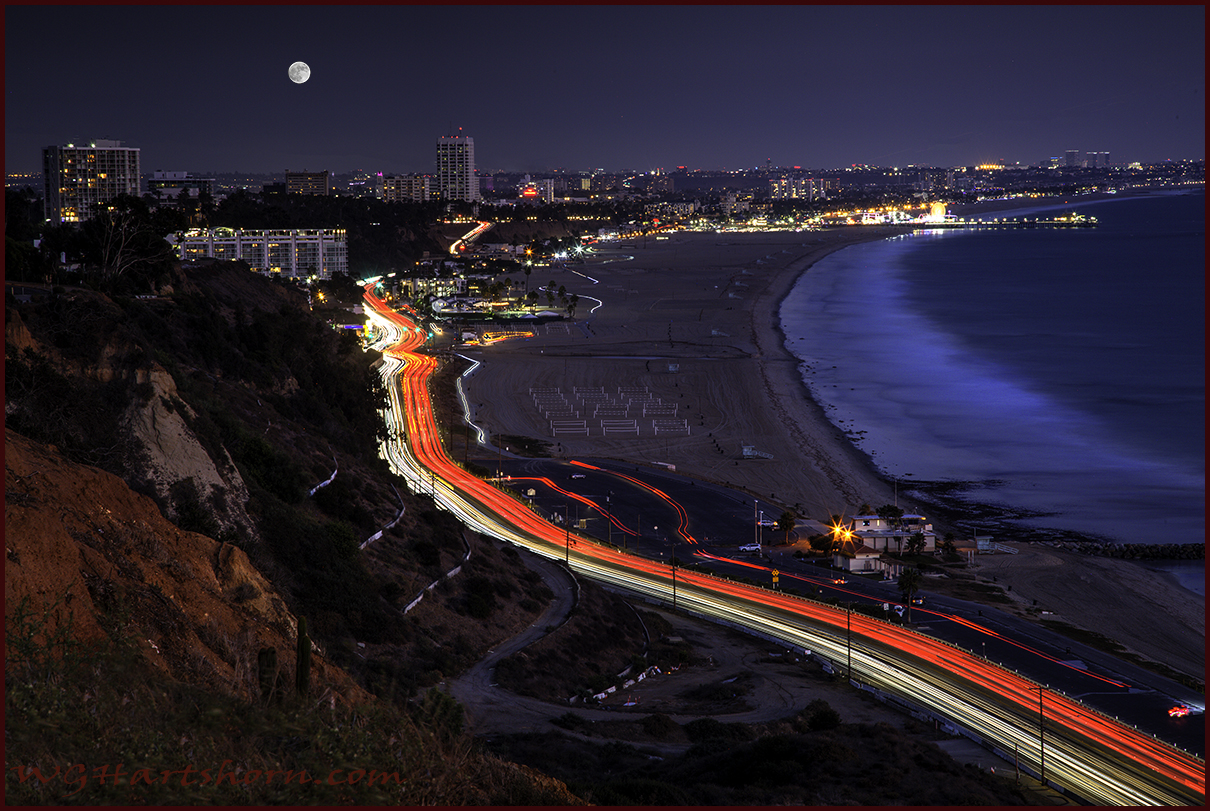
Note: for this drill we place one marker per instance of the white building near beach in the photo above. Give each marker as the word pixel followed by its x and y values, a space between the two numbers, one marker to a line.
pixel 878 533
pixel 861 558
pixel 295 252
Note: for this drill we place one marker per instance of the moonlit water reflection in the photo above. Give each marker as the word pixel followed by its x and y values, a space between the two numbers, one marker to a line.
pixel 935 407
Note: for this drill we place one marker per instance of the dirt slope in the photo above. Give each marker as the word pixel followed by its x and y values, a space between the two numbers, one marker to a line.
pixel 81 546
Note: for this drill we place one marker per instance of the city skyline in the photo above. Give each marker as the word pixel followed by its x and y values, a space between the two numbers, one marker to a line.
pixel 604 87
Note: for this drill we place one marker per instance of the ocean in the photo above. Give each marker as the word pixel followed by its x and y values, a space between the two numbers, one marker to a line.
pixel 1060 371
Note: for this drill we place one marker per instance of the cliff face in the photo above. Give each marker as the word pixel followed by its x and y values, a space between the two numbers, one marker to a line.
pixel 81 546
pixel 161 448
pixel 171 452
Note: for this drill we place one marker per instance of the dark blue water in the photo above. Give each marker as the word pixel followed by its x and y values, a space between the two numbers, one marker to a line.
pixel 1067 365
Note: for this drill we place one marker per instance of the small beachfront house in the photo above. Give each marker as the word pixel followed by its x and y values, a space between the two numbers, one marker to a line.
pixel 857 559
pixel 878 533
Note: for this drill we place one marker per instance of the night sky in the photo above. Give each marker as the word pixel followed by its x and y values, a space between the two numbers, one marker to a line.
pixel 620 88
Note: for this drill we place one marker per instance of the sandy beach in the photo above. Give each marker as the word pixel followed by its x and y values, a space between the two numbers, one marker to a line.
pixel 705 304
pixel 693 318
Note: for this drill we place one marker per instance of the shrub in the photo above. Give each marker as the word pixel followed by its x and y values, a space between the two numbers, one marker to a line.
pixel 425 553
pixel 821 716
pixel 705 729
pixel 659 726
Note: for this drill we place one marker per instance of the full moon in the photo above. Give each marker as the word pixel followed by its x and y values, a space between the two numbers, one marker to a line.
pixel 299 72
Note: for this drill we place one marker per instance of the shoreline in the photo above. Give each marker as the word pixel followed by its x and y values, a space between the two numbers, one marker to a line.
pixel 958 501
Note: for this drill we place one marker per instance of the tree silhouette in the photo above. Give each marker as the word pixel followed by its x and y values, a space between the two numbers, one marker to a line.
pixel 909 584
pixel 893 515
pixel 786 523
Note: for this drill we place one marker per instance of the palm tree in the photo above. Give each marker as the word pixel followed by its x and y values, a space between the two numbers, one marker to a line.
pixel 909 584
pixel 947 545
pixel 786 522
pixel 893 514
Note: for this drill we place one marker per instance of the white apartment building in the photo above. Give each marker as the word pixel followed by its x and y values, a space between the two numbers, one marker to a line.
pixel 880 534
pixel 403 188
pixel 295 253
pixel 79 178
pixel 456 179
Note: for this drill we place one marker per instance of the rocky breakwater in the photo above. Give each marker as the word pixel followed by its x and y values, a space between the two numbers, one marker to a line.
pixel 1135 551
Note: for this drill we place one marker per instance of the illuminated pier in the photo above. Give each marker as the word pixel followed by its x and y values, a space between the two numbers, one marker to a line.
pixel 1066 221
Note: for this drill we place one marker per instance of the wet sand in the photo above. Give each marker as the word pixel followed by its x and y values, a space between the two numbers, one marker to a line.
pixel 693 319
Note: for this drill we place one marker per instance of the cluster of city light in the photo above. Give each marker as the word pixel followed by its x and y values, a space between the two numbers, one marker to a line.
pixel 1099 758
pixel 496 336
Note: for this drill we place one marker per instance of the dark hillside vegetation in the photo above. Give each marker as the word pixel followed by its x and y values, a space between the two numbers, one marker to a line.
pixel 799 761
pixel 78 714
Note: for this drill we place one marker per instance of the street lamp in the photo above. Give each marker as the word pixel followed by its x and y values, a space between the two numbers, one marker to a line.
pixel 849 636
pixel 673 547
pixel 566 537
pixel 609 520
pixel 756 517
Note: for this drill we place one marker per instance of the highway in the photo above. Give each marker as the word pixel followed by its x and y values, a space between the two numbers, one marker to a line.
pixel 1081 750
pixel 616 499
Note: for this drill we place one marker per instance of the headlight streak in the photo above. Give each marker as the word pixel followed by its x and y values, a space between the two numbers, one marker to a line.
pixel 972 625
pixel 481 437
pixel 1098 758
pixel 600 303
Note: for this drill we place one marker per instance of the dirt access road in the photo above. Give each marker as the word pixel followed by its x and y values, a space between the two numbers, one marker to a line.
pixel 743 679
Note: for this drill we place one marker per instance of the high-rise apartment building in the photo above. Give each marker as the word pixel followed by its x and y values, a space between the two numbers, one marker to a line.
pixel 308 182
pixel 456 178
pixel 78 179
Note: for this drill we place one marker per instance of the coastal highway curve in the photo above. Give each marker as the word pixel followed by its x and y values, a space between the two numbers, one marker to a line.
pixel 1075 748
